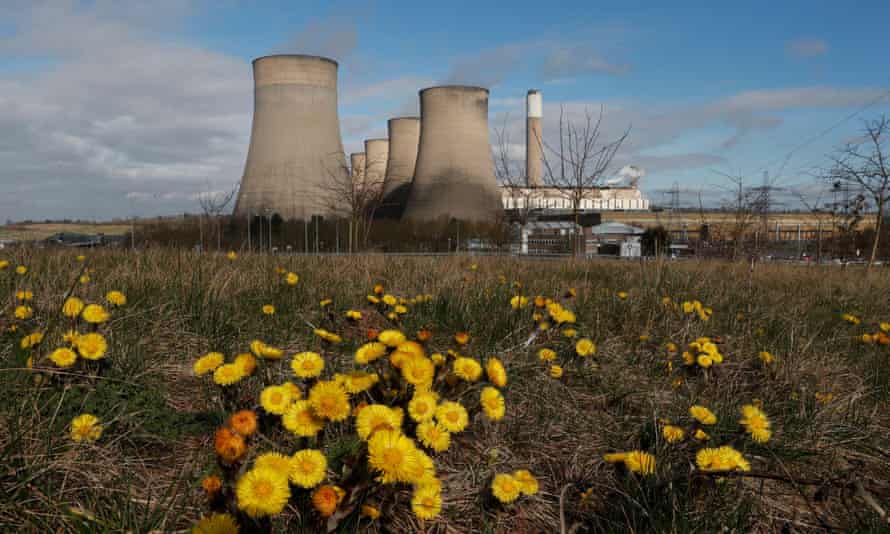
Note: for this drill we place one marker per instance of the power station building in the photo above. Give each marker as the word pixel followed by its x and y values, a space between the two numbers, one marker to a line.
pixel 295 144
pixel 436 166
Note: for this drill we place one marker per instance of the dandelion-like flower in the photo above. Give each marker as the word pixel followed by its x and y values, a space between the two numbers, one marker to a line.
pixel 672 434
pixel 268 309
pixel 85 427
pixel 262 492
pixel 756 423
pixel 376 417
pixel 291 279
pixel 369 352
pixel 418 371
pixel 467 369
pixel 246 362
pixel 326 499
pixel 228 374
pixel 391 338
pixel 275 399
pixel 216 524
pixel 640 462
pixel 280 463
pixel 453 416
pixel 243 422
pixel 208 363
pixel 496 372
pixel 505 488
pixel 434 436
pixel 91 346
pixel 546 355
pixel 116 298
pixel 703 415
pixel 73 307
pixel 492 403
pixel 721 459
pixel 556 371
pixel 422 407
pixel 307 364
pixel 229 445
pixel 301 420
pixel 63 357
pixel 308 468
pixel 95 314
pixel 392 454
pixel 329 400
pixel 518 302
pixel 585 347
pixel 528 484
pixel 426 502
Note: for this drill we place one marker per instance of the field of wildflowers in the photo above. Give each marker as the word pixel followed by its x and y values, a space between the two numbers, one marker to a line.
pixel 172 391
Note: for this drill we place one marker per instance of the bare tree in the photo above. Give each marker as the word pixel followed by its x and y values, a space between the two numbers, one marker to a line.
pixel 213 203
pixel 354 197
pixel 864 165
pixel 580 159
pixel 824 213
pixel 511 174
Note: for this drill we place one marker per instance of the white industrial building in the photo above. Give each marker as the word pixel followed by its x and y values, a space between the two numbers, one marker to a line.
pixel 595 198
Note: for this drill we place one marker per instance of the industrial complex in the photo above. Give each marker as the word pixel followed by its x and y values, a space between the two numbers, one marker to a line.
pixel 438 165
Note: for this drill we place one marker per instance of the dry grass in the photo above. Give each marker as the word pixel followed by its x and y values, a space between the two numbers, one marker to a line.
pixel 145 472
pixel 36 231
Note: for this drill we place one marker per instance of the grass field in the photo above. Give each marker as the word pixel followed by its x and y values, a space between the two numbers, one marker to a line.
pixel 816 458
pixel 35 231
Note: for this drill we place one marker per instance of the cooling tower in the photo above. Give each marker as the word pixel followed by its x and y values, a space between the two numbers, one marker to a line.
pixel 376 155
pixel 295 145
pixel 454 176
pixel 357 164
pixel 404 137
pixel 533 138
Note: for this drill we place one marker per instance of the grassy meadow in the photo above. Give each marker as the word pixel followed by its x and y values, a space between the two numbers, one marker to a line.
pixel 814 453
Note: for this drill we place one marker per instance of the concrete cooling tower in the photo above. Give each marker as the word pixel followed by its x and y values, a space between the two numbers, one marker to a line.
pixel 404 138
pixel 295 144
pixel 376 155
pixel 454 176
pixel 534 140
pixel 357 164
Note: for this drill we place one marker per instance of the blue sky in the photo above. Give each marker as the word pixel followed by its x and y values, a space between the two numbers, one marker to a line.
pixel 115 108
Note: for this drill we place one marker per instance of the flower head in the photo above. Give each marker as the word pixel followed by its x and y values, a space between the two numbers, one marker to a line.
pixel 301 420
pixel 91 346
pixel 329 400
pixel 434 436
pixel 391 338
pixel 262 492
pixel 86 427
pixel 275 399
pixel 672 434
pixel 208 363
pixel 376 417
pixel 703 415
pixel 426 502
pixel 496 372
pixel 505 488
pixel 393 455
pixel 73 307
pixel 243 422
pixel 23 312
pixel 467 368
pixel 326 499
pixel 585 347
pixel 268 309
pixel 308 468
pixel 528 484
pixel 369 352
pixel 452 415
pixel 422 407
pixel 756 423
pixel 492 403
pixel 116 298
pixel 229 445
pixel 63 357
pixel 216 524
pixel 228 374
pixel 291 278
pixel 280 463
pixel 307 364
pixel 95 314
pixel 556 371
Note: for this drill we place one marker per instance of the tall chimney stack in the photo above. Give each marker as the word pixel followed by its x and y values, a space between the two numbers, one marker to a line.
pixel 533 138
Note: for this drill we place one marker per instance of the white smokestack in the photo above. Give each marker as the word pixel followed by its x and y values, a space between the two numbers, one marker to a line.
pixel 534 110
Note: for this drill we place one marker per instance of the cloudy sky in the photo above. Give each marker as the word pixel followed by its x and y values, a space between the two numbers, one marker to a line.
pixel 110 108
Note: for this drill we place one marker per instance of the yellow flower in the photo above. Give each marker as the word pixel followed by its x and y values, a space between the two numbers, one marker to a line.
pixel 216 524
pixel 4 264
pixel 452 415
pixel 569 333
pixel 23 312
pixel 24 295
pixel 756 423
pixel 701 435
pixel 492 403
pixel 326 498
pixel 329 400
pixel 766 357
pixel 262 492
pixel 353 314
pixel 356 381
pixel 325 302
pixel 86 427
pixel 21 269
pixel 330 337
pixel 505 488
pixel 229 445
pixel 467 369
pixel 394 456
pixel 721 459
pixel 300 419
pixel 295 391
pixel 63 357
pixel 426 502
pixel 422 407
pixel 370 512
pixel 308 468
pixel 461 338
pixel 292 279
pixel 528 484
pixel 243 422
pixel 369 352
pixel 547 355
pixel 389 300
pixel 555 371
pixel 703 415
pixel 209 362
pixel 585 347
pixel 268 309
pixel 265 351
pixel 672 434
pixel 72 307
pixel 434 436
pixel 640 462
pixel 615 457
pixel 275 399
pixel 91 346
pixel 418 370
pixel 31 340
pixel 497 375
pixel 518 302
pixel 246 362
pixel 228 374
pixel 377 417
pixel 850 318
pixel 671 348
pixel 232 255
pixel 116 298
pixel 391 338
pixel 307 364
pixel 95 314
pixel 274 461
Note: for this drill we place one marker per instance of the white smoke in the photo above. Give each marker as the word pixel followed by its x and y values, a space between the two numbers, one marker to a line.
pixel 629 173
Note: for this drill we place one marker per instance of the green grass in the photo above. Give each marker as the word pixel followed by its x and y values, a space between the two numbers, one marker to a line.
pixel 145 471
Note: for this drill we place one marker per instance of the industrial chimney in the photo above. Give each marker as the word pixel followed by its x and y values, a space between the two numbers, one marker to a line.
pixel 454 176
pixel 404 138
pixel 357 164
pixel 534 140
pixel 376 155
pixel 295 144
